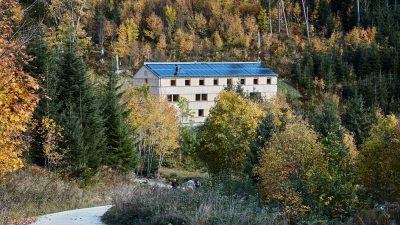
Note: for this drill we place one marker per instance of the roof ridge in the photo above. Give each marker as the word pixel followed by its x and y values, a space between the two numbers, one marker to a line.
pixel 146 63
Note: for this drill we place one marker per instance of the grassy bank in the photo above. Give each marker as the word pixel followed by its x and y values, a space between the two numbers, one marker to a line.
pixel 139 205
pixel 34 191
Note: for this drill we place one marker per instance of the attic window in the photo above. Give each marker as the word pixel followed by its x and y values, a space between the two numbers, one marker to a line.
pixel 173 82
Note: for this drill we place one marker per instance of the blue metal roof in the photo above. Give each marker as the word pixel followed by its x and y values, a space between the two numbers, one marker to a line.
pixel 209 69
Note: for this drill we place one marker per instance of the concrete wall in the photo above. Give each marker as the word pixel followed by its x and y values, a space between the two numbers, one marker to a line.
pixel 163 87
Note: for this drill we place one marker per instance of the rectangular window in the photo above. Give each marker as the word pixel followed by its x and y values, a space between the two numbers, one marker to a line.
pixel 201 82
pixel 187 82
pixel 268 80
pixel 175 98
pixel 146 81
pixel 204 97
pixel 242 81
pixel 173 82
pixel 169 98
pixel 229 82
pixel 201 113
pixel 215 81
pixel 255 81
pixel 198 97
pixel 255 95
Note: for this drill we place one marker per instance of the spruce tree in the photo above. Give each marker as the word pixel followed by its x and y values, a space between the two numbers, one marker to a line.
pixel 79 115
pixel 120 149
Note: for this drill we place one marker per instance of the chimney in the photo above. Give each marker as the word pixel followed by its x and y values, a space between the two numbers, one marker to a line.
pixel 176 70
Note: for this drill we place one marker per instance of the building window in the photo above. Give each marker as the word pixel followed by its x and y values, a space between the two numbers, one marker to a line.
pixel 201 82
pixel 187 82
pixel 215 81
pixel 146 81
pixel 242 81
pixel 229 82
pixel 173 98
pixel 268 80
pixel 201 97
pixel 255 95
pixel 201 113
pixel 255 81
pixel 173 82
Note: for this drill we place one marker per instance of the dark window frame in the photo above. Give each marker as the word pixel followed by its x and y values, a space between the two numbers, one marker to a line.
pixel 255 81
pixel 216 82
pixel 202 82
pixel 173 83
pixel 187 82
pixel 200 113
pixel 269 81
pixel 243 81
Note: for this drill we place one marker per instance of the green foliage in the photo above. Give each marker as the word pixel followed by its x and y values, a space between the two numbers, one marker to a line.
pixel 120 152
pixel 79 114
pixel 378 163
pixel 357 119
pixel 227 133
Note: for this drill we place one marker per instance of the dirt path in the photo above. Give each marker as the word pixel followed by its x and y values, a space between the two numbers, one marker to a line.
pixel 86 216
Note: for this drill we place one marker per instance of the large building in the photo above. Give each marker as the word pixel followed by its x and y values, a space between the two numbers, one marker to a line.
pixel 200 82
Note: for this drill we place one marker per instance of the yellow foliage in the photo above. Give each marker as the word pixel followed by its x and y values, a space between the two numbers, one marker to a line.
pixel 17 101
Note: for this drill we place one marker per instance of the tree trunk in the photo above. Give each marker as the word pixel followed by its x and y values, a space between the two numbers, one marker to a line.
pixel 358 13
pixel 270 17
pixel 306 19
pixel 284 17
pixel 279 16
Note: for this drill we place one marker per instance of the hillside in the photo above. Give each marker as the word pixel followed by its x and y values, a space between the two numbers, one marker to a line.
pixel 324 150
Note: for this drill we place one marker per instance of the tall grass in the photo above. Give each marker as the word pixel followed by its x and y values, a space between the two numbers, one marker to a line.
pixel 151 206
pixel 34 191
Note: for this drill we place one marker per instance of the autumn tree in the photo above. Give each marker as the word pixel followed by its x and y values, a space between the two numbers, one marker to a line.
pixel 170 15
pixel 154 27
pixel 227 133
pixel 17 98
pixel 291 167
pixel 378 163
pixel 155 123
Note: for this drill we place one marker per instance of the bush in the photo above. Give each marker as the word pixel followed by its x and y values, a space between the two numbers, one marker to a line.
pixel 152 206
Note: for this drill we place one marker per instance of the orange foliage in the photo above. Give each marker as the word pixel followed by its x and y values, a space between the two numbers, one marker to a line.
pixel 17 101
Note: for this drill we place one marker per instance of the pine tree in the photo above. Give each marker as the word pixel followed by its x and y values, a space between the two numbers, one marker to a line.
pixel 120 149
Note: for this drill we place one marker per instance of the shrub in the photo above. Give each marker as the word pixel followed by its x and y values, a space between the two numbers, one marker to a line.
pixel 138 205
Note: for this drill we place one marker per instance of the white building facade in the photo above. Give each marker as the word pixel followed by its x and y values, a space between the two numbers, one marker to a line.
pixel 200 82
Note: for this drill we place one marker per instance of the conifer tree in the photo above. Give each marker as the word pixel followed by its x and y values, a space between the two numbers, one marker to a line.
pixel 79 115
pixel 120 149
